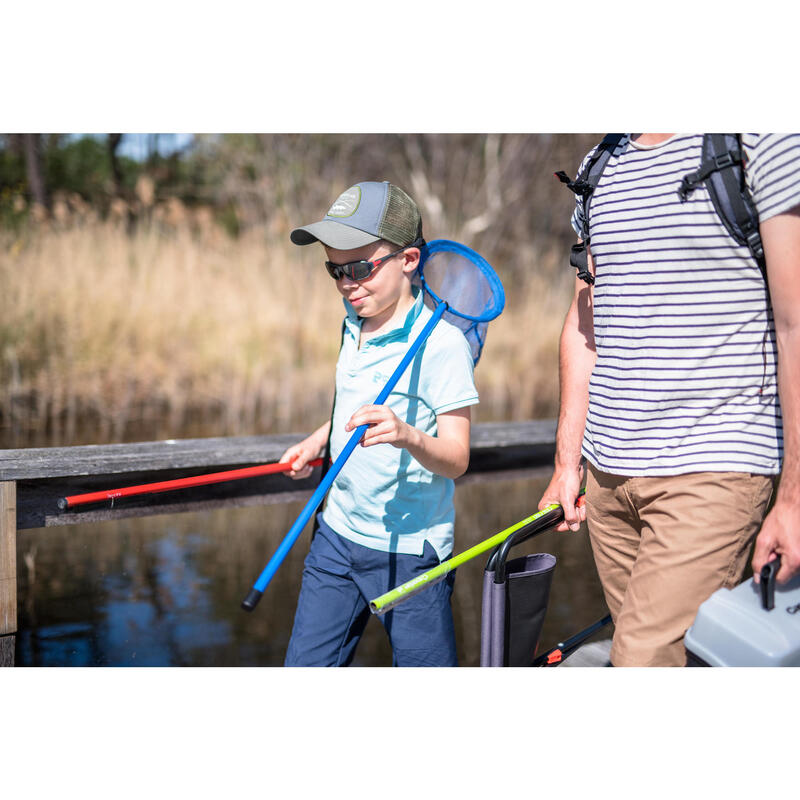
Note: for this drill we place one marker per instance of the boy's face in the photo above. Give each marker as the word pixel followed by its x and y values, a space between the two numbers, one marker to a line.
pixel 377 296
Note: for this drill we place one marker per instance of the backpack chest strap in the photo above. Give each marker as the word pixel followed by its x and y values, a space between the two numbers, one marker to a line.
pixel 583 186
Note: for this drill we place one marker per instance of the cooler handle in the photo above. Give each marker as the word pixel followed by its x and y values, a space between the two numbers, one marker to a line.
pixel 767 585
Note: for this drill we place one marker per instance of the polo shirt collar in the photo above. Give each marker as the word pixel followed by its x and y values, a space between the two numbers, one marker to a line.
pixel 402 333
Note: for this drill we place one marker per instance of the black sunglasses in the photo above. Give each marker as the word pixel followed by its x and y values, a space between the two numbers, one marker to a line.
pixel 361 270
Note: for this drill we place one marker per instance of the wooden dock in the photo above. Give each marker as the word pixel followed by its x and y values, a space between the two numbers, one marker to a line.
pixel 593 654
pixel 33 480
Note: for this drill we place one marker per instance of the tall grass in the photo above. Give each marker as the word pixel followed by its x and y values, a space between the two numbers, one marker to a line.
pixel 106 336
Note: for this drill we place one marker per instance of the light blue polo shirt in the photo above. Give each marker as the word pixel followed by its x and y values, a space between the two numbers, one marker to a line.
pixel 383 498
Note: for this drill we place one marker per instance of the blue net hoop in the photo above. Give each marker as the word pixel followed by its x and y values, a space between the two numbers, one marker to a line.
pixel 465 281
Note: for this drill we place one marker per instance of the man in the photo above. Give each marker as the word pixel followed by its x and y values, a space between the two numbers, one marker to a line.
pixel 680 385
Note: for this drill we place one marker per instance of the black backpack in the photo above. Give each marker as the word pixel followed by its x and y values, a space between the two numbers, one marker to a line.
pixel 722 171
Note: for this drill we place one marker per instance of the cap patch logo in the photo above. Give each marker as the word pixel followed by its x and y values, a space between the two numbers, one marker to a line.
pixel 346 204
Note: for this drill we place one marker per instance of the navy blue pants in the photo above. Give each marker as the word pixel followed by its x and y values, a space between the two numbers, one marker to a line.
pixel 340 577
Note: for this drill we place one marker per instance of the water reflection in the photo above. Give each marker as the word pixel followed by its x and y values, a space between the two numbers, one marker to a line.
pixel 165 591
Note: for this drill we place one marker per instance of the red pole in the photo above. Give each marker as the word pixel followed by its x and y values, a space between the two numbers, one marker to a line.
pixel 66 503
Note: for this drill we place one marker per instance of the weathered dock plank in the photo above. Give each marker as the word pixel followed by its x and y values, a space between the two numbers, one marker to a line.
pixel 110 459
pixel 492 444
pixel 38 500
pixel 44 475
pixel 593 654
pixel 8 571
pixel 7 644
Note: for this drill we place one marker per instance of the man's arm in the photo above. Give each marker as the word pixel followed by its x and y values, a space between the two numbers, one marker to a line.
pixel 576 360
pixel 780 533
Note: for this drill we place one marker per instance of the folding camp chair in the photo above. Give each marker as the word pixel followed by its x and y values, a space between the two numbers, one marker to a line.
pixel 514 604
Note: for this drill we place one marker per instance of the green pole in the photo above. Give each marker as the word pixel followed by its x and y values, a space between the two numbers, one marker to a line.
pixel 547 517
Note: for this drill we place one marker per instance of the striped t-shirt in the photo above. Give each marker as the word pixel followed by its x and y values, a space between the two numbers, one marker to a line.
pixel 685 377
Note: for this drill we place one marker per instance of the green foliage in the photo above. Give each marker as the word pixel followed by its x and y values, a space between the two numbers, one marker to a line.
pixel 83 166
pixel 229 220
pixel 12 169
pixel 494 192
pixel 79 166
pixel 12 190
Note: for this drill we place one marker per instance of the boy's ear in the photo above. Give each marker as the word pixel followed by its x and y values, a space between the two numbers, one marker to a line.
pixel 411 258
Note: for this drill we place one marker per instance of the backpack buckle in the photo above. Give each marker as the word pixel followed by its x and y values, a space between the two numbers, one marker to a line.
pixel 755 245
pixel 579 187
pixel 579 260
pixel 687 186
pixel 725 160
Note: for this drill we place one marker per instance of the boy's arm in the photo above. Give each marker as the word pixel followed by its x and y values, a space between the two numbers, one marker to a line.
pixel 445 454
pixel 780 533
pixel 311 447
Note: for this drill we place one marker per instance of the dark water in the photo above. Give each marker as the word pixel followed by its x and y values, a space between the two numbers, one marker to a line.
pixel 165 591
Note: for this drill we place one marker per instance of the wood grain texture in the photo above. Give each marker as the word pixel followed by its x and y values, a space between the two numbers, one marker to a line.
pixel 7 651
pixel 8 557
pixel 45 475
pixel 110 459
pixel 230 452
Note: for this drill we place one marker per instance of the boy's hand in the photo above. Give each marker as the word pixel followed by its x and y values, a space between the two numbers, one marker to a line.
pixel 384 426
pixel 299 455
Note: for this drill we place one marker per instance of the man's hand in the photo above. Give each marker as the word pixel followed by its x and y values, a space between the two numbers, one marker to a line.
pixel 563 489
pixel 779 537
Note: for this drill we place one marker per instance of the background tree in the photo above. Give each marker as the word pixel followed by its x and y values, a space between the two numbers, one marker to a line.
pixel 496 192
pixel 32 148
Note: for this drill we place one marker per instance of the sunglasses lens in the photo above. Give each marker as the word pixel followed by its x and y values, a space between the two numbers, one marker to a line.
pixel 359 270
pixel 355 270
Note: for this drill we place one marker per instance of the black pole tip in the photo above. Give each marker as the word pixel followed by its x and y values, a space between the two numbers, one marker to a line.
pixel 251 601
pixel 63 505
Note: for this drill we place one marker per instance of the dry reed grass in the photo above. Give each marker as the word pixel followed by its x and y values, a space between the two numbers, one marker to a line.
pixel 106 336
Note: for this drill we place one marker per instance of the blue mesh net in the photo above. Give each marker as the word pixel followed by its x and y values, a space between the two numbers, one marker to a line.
pixel 454 273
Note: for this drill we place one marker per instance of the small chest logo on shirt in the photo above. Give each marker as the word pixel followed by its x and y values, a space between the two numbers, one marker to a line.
pixel 379 377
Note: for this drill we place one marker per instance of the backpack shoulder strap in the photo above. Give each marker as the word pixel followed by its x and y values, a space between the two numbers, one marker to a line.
pixel 326 459
pixel 583 186
pixel 722 171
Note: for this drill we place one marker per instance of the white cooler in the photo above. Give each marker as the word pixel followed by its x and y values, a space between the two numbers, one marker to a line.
pixel 734 629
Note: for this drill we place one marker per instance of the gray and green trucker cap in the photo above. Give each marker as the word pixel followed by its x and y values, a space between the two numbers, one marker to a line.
pixel 363 214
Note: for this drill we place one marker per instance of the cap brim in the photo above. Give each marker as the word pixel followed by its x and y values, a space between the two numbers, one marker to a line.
pixel 333 234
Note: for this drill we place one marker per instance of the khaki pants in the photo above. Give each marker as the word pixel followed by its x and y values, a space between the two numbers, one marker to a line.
pixel 662 546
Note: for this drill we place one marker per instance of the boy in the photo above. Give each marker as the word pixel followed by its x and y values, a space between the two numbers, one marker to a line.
pixel 389 514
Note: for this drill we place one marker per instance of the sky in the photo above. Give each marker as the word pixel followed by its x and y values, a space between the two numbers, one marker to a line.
pixel 137 145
